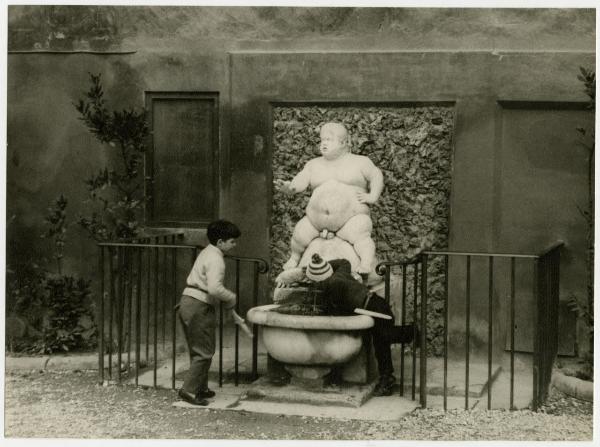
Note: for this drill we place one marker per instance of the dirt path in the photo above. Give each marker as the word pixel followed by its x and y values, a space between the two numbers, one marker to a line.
pixel 72 405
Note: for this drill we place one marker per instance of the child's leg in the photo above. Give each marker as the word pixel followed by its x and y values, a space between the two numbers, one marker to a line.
pixel 198 321
pixel 382 335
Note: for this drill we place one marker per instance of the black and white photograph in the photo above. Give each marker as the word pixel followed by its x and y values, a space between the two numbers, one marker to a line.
pixel 299 222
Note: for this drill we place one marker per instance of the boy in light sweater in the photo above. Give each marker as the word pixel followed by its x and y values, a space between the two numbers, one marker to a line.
pixel 197 308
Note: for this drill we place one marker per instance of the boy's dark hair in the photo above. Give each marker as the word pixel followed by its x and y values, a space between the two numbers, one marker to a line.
pixel 222 229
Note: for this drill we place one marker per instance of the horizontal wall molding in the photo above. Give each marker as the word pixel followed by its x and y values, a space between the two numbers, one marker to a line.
pixel 344 103
pixel 71 52
pixel 543 105
pixel 493 52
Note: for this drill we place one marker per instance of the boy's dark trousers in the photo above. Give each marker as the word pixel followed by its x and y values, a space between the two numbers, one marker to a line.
pixel 198 320
pixel 384 333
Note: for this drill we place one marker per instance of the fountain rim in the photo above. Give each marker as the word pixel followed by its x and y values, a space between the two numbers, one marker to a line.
pixel 262 315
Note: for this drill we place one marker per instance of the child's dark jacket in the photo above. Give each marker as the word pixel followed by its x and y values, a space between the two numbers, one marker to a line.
pixel 341 291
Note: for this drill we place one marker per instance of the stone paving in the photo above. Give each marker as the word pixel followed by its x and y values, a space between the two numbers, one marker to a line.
pixel 354 402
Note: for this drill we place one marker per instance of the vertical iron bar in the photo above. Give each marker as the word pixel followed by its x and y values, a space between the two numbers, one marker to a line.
pixel 138 315
pixel 101 320
pixel 547 319
pixel 550 326
pixel 237 328
pixel 387 279
pixel 490 316
pixel 536 334
pixel 468 331
pixel 110 309
pixel 403 322
pixel 423 361
pixel 156 287
pixel 129 268
pixel 173 314
pixel 512 332
pixel 555 300
pixel 554 292
pixel 255 327
pixel 220 344
pixel 120 315
pixel 148 280
pixel 415 319
pixel 163 290
pixel 445 332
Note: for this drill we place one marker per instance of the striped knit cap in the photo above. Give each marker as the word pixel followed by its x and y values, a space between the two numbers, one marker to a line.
pixel 318 269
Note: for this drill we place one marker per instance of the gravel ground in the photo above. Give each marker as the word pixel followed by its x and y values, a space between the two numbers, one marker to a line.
pixel 72 405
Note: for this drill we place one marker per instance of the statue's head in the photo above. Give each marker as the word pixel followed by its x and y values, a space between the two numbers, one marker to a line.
pixel 334 140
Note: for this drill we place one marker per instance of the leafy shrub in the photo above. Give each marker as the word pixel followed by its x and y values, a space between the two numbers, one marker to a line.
pixel 55 311
pixel 70 319
pixel 116 193
pixel 49 312
pixel 584 307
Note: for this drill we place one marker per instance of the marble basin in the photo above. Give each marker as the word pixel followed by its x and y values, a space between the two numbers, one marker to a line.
pixel 310 340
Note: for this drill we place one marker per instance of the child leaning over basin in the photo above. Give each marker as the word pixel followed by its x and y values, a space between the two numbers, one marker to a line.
pixel 342 293
pixel 203 293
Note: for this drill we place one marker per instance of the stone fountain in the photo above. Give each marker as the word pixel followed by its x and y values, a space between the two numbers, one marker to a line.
pixel 337 225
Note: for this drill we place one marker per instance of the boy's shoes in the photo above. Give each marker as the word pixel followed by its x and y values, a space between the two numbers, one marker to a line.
pixel 191 399
pixel 385 386
pixel 205 394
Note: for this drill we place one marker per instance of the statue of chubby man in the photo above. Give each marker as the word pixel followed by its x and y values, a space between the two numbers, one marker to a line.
pixel 343 186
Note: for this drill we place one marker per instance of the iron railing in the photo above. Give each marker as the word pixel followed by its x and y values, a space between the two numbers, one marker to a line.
pixel 139 291
pixel 545 281
pixel 385 269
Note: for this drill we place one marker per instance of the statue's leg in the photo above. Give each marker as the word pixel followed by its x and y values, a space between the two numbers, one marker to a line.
pixel 357 231
pixel 304 232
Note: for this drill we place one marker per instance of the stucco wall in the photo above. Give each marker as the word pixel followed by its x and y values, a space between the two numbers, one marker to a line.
pixel 253 56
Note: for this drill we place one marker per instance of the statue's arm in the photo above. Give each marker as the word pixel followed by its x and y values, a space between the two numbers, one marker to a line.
pixel 375 178
pixel 301 181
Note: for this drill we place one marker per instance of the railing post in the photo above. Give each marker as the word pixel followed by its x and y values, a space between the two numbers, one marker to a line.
pixel 138 315
pixel 163 299
pixel 237 328
pixel 110 309
pixel 173 315
pixel 416 287
pixel 148 280
pixel 512 332
pixel 490 331
pixel 555 299
pixel 446 332
pixel 156 294
pixel 536 338
pixel 129 260
pixel 423 342
pixel 468 331
pixel 101 320
pixel 403 322
pixel 120 314
pixel 220 344
pixel 255 327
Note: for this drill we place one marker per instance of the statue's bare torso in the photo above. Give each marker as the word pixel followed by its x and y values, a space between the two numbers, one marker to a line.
pixel 332 204
pixel 335 184
pixel 343 185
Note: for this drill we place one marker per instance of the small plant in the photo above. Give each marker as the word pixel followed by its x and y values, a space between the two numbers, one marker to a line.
pixel 57 229
pixel 584 308
pixel 115 191
pixel 70 321
pixel 49 312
